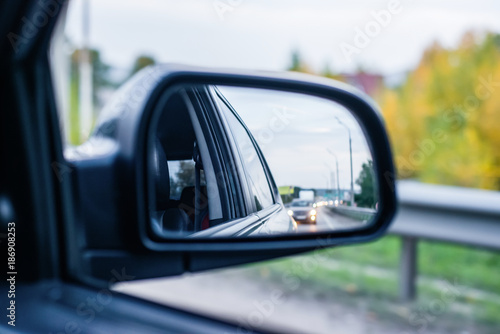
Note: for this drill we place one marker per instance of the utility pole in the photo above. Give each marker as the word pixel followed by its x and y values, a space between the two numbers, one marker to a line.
pixel 350 155
pixel 337 165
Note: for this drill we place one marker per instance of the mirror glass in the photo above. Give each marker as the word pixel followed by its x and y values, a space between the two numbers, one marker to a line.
pixel 244 162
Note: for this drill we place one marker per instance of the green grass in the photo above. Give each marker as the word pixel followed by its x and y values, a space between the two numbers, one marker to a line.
pixel 469 266
pixel 370 271
pixel 473 267
pixel 383 253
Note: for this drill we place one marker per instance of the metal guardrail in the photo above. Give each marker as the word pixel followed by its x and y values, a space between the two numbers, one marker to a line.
pixel 451 214
pixel 362 214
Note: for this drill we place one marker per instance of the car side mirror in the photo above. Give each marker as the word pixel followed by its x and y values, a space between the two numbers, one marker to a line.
pixel 207 165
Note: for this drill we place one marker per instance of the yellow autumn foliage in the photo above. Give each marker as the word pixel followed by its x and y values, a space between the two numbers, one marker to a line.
pixel 444 119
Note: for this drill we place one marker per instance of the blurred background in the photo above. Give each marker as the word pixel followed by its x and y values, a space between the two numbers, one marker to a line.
pixel 434 69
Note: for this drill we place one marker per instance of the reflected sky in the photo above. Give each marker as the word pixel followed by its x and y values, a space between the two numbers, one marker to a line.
pixel 295 132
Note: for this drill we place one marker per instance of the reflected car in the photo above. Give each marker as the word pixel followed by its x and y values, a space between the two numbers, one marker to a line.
pixel 303 211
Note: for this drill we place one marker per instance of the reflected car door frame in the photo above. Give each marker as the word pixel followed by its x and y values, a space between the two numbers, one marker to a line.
pixel 227 183
pixel 242 218
pixel 273 216
pixel 227 177
pixel 267 171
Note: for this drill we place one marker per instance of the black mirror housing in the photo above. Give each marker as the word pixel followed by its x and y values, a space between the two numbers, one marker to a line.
pixel 112 170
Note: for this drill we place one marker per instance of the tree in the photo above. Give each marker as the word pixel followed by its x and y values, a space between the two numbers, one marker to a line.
pixel 100 70
pixel 142 62
pixel 184 177
pixel 367 197
pixel 297 64
pixel 444 118
pixel 100 80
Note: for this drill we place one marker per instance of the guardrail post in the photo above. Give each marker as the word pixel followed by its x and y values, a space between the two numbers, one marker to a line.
pixel 408 268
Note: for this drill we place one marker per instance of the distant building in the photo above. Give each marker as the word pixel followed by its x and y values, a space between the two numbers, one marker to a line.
pixel 369 83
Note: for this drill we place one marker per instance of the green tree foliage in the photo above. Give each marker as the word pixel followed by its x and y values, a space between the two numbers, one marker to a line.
pixel 366 198
pixel 184 177
pixel 100 79
pixel 298 64
pixel 100 70
pixel 141 62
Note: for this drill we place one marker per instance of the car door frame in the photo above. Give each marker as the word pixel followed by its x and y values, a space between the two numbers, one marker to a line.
pixel 47 198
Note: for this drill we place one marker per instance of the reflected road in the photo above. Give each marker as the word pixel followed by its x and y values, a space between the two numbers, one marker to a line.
pixel 328 221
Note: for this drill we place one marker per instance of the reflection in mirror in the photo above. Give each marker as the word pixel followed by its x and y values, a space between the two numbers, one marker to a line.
pixel 235 162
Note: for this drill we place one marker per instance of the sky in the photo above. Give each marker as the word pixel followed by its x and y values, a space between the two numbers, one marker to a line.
pixel 386 37
pixel 262 34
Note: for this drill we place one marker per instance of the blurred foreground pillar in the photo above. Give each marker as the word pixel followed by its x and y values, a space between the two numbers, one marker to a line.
pixel 408 268
pixel 85 93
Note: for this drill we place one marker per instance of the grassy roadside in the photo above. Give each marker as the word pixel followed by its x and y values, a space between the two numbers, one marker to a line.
pixel 457 285
pixel 472 267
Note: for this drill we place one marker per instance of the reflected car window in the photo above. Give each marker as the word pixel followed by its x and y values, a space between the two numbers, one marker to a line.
pixel 256 176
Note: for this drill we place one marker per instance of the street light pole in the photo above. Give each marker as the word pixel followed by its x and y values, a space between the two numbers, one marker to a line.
pixel 337 165
pixel 352 177
pixel 332 180
pixel 328 182
pixel 350 155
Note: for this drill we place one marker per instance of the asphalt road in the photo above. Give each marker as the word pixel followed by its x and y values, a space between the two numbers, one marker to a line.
pixel 328 221
pixel 256 303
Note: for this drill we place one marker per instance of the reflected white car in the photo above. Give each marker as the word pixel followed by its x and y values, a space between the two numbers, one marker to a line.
pixel 303 211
